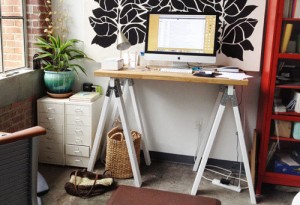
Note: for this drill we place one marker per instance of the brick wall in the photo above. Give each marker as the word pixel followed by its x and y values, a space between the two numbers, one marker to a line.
pixel 22 113
pixel 35 24
pixel 18 116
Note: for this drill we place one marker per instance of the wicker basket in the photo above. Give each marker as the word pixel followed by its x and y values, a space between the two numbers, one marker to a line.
pixel 117 158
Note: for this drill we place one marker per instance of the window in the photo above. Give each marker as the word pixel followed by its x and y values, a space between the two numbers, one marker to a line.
pixel 12 34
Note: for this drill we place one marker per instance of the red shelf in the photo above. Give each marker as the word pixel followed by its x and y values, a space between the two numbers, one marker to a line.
pixel 296 114
pixel 295 118
pixel 292 56
pixel 291 19
pixel 275 25
pixel 289 86
pixel 284 139
pixel 283 179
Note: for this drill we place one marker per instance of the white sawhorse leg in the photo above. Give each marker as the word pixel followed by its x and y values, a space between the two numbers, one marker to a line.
pixel 228 94
pixel 139 122
pixel 128 83
pixel 208 129
pixel 114 86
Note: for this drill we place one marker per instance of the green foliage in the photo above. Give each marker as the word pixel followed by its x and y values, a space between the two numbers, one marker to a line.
pixel 58 55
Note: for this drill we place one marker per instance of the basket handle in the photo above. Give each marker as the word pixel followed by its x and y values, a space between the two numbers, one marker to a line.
pixel 135 134
pixel 119 136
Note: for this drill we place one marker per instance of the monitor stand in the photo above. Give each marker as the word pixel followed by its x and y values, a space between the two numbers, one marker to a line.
pixel 176 64
pixel 171 64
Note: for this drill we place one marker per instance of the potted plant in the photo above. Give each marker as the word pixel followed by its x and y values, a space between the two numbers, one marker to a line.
pixel 57 59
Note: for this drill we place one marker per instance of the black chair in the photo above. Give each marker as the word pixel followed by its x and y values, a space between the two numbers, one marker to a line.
pixel 18 166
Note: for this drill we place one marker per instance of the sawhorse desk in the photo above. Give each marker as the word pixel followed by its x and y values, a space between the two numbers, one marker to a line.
pixel 226 93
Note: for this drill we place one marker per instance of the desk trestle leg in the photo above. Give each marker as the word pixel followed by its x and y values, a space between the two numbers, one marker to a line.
pixel 100 128
pixel 228 94
pixel 114 85
pixel 139 122
pixel 128 85
pixel 208 129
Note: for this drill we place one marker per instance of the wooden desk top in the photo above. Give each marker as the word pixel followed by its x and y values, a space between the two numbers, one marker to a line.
pixel 158 75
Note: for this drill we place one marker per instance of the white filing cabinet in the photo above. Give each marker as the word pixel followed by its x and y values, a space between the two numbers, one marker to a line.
pixel 71 128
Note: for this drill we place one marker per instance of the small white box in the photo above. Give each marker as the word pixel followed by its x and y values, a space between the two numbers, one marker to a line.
pixel 112 64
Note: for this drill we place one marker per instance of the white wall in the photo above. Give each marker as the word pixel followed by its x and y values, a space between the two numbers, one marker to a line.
pixel 174 114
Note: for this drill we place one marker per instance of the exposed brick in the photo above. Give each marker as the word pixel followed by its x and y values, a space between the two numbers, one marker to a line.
pixel 18 115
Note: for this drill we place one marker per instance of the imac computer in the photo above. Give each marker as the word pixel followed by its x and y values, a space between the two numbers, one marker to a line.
pixel 181 37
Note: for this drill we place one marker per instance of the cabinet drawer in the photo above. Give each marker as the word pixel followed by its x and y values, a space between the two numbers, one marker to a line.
pixel 50 118
pixel 51 158
pixel 51 147
pixel 51 108
pixel 81 131
pixel 55 128
pixel 77 140
pixel 78 120
pixel 77 161
pixel 78 110
pixel 51 138
pixel 81 151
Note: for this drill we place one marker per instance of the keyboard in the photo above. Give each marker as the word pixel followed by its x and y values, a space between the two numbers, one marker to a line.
pixel 176 70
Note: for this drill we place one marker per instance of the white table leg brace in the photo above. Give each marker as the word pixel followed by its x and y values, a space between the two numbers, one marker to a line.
pixel 139 122
pixel 114 86
pixel 128 85
pixel 229 94
pixel 208 129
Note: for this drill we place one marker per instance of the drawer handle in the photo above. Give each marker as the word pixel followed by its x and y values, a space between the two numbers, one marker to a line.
pixel 48 138
pixel 77 160
pixel 50 118
pixel 49 128
pixel 49 148
pixel 50 108
pixel 78 130
pixel 77 152
pixel 49 157
pixel 78 140
pixel 78 110
pixel 78 121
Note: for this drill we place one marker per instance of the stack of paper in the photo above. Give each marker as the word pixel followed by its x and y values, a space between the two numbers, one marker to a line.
pixel 230 69
pixel 233 76
pixel 84 97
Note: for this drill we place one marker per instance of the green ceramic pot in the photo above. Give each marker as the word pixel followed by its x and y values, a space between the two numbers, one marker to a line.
pixel 59 82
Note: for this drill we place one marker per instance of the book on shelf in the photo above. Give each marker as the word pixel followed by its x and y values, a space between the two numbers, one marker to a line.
pixel 286 8
pixel 286 37
pixel 296 9
pixel 279 108
pixel 287 159
pixel 84 97
pixel 271 152
pixel 291 9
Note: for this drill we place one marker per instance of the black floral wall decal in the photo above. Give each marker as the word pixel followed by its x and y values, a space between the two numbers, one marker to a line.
pixel 130 17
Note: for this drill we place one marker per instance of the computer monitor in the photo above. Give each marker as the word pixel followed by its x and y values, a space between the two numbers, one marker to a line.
pixel 181 37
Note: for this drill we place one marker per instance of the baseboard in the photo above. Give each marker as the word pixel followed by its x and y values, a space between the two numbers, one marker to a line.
pixel 185 159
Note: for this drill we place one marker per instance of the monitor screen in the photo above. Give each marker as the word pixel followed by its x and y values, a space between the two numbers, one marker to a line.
pixel 181 37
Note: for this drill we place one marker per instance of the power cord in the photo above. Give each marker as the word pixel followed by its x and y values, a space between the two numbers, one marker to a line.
pixel 226 180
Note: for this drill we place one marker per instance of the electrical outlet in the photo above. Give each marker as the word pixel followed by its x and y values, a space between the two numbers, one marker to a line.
pixel 198 125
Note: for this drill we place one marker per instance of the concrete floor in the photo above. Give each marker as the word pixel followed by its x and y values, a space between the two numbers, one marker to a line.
pixel 167 176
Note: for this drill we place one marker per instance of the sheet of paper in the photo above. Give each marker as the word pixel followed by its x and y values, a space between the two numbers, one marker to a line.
pixel 233 76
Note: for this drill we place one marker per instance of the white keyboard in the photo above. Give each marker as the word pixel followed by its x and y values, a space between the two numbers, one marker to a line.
pixel 176 70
